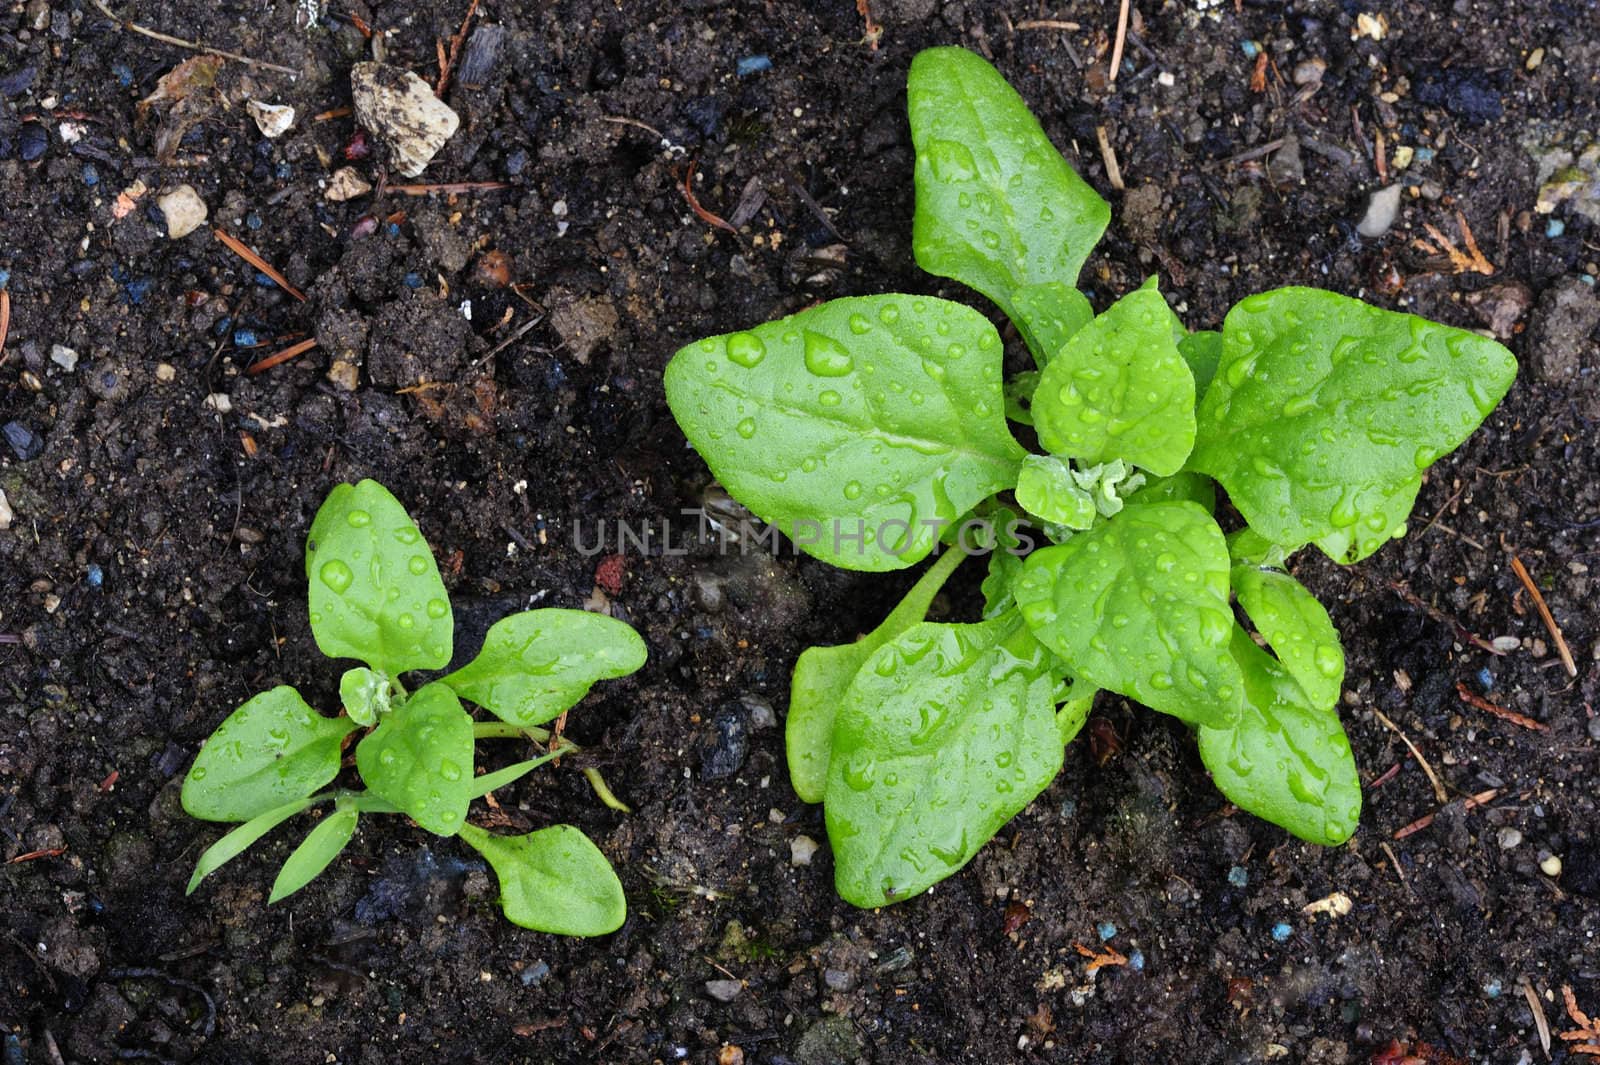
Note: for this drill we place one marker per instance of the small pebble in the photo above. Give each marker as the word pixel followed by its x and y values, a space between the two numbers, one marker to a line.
pixel 1381 211
pixel 535 974
pixel 1136 960
pixel 1554 228
pixel 1550 865
pixel 1509 838
pixel 220 402
pixel 184 211
pixel 1106 930
pixel 271 119
pixel 64 357
pixel 6 513
pixel 1250 49
pixel 1486 680
pixel 724 990
pixel 752 64
pixel 413 280
pixel 1281 931
pixel 801 850
pixel 95 576
pixel 1594 728
pixel 165 371
pixel 838 979
pixel 32 142
pixel 91 176
pixel 138 289
pixel 24 441
pixel 1492 988
pixel 245 338
pixel 1239 877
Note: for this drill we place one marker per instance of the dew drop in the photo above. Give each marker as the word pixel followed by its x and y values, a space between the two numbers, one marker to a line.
pixel 449 770
pixel 826 357
pixel 852 490
pixel 1161 681
pixel 406 535
pixel 405 621
pixel 830 398
pixel 387 758
pixel 859 324
pixel 358 519
pixel 888 314
pixel 417 565
pixel 437 608
pixel 746 349
pixel 1330 662
pixel 336 575
pixel 746 428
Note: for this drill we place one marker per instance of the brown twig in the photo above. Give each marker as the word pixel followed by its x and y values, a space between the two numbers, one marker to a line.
pixel 1433 778
pixel 1108 155
pixel 449 188
pixel 1587 1032
pixel 1110 956
pixel 1461 631
pixel 239 248
pixel 278 358
pixel 1048 24
pixel 1544 614
pixel 694 204
pixel 331 113
pixel 5 323
pixel 1472 802
pixel 623 120
pixel 1539 1020
pixel 51 852
pixel 193 46
pixel 1122 38
pixel 449 64
pixel 1472 698
pixel 874 30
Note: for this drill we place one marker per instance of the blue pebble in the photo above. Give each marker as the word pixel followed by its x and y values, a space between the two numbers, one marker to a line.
pixel 1106 930
pixel 138 289
pixel 283 171
pixel 5 278
pixel 1250 48
pixel 91 176
pixel 1136 960
pixel 1587 279
pixel 1281 931
pixel 1069 807
pixel 1486 680
pixel 252 220
pixel 1492 989
pixel 1422 156
pixel 95 576
pixel 264 281
pixel 1555 227
pixel 752 64
pixel 124 75
pixel 222 326
pixel 244 338
pixel 394 229
pixel 1238 876
pixel 413 281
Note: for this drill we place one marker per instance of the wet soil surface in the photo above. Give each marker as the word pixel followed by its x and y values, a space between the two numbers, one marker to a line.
pixel 151 575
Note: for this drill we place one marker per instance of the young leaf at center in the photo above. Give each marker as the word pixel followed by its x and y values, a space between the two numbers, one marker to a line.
pixel 321 846
pixel 947 732
pixel 1119 389
pixel 420 758
pixel 553 880
pixel 1139 606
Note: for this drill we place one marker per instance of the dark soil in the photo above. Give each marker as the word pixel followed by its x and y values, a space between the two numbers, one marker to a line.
pixel 151 579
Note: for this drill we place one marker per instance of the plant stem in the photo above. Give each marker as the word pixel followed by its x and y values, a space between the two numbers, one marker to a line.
pixel 598 783
pixel 504 730
pixel 916 602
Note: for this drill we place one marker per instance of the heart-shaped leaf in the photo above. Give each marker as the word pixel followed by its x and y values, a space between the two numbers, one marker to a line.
pixel 553 880
pixel 375 592
pixel 420 758
pixel 536 664
pixel 271 750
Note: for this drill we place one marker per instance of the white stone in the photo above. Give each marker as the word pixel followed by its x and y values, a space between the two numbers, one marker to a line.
pixel 220 402
pixel 185 211
pixel 401 109
pixel 64 357
pixel 6 515
pixel 273 120
pixel 346 184
pixel 1381 212
pixel 801 850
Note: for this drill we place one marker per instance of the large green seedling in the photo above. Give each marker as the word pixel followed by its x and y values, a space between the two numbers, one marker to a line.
pixel 870 429
pixel 376 596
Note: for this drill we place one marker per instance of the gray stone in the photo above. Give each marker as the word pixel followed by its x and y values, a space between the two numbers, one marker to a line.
pixel 401 109
pixel 1382 209
pixel 1567 313
pixel 724 990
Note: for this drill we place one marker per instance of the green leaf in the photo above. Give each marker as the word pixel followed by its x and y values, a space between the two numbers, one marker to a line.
pixel 997 206
pixel 420 758
pixel 500 778
pixel 822 675
pixel 536 664
pixel 553 880
pixel 1046 489
pixel 1297 627
pixel 1285 759
pixel 1202 350
pixel 239 840
pixel 1139 605
pixel 1183 485
pixel 375 592
pixel 1246 547
pixel 365 695
pixel 1325 411
pixel 1072 715
pixel 855 427
pixel 945 734
pixel 1047 315
pixel 1120 390
pixel 321 846
pixel 1005 561
pixel 272 749
pixel 1019 390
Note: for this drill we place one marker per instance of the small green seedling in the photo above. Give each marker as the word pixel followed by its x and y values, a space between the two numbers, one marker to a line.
pixel 376 596
pixel 872 429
